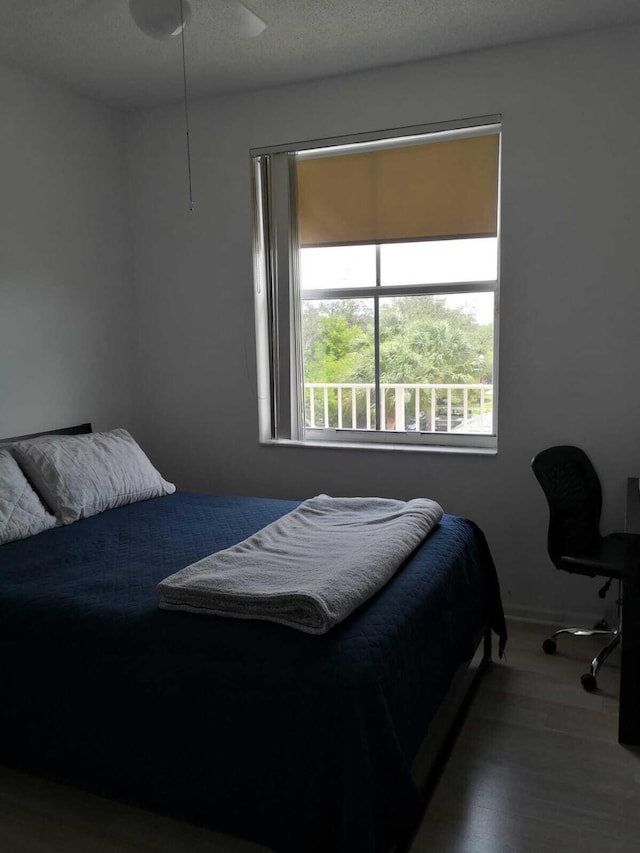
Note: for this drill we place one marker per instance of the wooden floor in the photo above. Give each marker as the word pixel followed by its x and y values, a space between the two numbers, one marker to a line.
pixel 536 768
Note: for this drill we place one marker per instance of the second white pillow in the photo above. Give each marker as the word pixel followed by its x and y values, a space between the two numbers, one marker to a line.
pixel 21 513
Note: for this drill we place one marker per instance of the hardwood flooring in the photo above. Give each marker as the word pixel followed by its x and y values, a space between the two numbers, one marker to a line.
pixel 536 768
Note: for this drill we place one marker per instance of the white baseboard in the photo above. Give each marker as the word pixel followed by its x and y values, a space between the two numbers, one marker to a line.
pixel 561 618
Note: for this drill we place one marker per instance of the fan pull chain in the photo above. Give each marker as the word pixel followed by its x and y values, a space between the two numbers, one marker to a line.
pixel 186 108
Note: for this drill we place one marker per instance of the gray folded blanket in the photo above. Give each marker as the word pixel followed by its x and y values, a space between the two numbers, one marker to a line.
pixel 309 569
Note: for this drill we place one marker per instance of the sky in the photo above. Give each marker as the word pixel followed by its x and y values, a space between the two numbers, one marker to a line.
pixel 432 262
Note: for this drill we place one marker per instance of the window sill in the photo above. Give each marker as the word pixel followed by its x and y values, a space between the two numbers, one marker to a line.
pixel 403 448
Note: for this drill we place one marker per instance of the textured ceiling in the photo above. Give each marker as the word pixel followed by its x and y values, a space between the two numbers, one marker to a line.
pixel 93 47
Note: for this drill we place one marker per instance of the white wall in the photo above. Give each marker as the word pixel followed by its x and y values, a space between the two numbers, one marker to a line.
pixel 570 348
pixel 66 333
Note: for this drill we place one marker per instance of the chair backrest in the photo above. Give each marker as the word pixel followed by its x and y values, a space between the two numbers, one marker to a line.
pixel 574 495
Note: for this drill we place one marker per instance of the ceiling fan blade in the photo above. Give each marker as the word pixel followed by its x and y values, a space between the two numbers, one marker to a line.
pixel 246 22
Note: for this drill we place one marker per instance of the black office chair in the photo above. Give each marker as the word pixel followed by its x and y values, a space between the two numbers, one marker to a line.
pixel 574 542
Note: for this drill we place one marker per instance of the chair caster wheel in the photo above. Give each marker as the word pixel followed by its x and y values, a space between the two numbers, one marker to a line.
pixel 549 646
pixel 589 682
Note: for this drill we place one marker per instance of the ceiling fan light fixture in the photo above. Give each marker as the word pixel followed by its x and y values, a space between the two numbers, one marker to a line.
pixel 160 19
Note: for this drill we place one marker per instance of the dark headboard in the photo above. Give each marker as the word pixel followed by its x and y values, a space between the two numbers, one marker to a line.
pixel 81 429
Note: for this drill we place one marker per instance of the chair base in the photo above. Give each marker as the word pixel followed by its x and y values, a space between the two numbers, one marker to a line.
pixel 550 645
pixel 583 632
pixel 589 679
pixel 603 654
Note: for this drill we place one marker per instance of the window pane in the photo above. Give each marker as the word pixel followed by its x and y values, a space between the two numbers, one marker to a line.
pixel 339 363
pixel 436 363
pixel 439 261
pixel 337 266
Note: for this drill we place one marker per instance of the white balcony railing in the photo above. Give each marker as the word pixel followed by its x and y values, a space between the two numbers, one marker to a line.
pixel 403 406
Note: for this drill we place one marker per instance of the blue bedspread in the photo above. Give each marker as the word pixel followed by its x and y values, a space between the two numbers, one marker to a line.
pixel 300 742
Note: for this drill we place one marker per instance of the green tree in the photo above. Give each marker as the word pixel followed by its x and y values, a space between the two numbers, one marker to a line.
pixel 422 341
pixel 338 341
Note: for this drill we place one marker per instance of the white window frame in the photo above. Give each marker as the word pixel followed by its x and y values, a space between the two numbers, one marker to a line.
pixel 278 296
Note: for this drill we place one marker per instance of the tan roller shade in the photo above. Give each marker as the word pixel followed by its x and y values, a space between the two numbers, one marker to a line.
pixel 419 192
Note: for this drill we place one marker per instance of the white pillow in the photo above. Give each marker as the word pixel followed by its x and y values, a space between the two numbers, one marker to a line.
pixel 82 475
pixel 21 512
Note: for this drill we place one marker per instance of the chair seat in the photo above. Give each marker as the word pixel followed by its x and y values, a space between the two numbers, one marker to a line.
pixel 606 560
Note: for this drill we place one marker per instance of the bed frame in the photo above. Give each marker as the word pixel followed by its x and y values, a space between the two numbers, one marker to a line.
pixel 81 429
pixel 447 722
pixel 443 730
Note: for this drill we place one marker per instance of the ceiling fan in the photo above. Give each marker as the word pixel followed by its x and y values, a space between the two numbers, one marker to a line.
pixel 164 19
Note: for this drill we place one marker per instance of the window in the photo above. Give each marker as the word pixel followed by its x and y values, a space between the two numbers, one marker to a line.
pixel 376 268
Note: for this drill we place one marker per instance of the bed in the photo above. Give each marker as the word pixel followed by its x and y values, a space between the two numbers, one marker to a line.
pixel 297 742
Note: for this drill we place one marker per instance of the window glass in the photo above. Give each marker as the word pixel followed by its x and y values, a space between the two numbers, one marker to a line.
pixel 339 363
pixel 337 266
pixel 439 261
pixel 435 358
pixel 436 363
